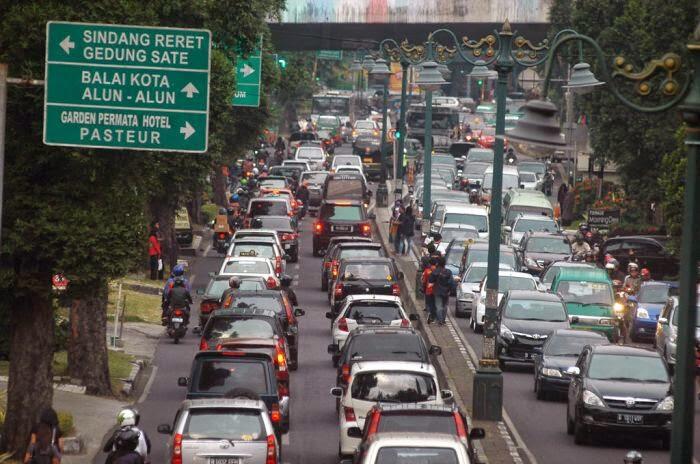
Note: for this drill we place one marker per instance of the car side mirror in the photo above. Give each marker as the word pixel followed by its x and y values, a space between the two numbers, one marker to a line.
pixel 329 315
pixel 413 317
pixel 435 350
pixel 212 274
pixel 332 348
pixel 574 319
pixel 573 371
pixel 182 381
pixel 507 229
pixel 663 321
pixel 337 392
pixel 165 429
pixel 477 433
pixel 287 257
pixel 446 394
pixel 299 312
pixel 354 432
pixel 200 291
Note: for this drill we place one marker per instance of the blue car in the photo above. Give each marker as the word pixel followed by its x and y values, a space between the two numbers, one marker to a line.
pixel 648 305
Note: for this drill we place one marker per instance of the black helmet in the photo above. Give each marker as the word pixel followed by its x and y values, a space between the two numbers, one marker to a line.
pixel 286 280
pixel 222 210
pixel 256 223
pixel 178 281
pixel 127 439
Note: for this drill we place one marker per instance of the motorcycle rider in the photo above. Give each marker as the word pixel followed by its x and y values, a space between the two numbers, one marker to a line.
pixel 128 419
pixel 234 284
pixel 178 271
pixel 633 280
pixel 615 274
pixel 125 444
pixel 303 196
pixel 580 247
pixel 646 275
pixel 178 297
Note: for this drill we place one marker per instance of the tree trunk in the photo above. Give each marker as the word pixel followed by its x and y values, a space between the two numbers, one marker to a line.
pixel 30 385
pixel 164 213
pixel 87 345
pixel 195 208
pixel 220 197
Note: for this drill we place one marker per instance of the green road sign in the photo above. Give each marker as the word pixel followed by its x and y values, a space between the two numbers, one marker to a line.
pixel 335 55
pixel 248 75
pixel 127 87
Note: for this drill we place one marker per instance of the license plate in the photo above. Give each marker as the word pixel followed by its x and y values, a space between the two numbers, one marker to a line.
pixel 224 461
pixel 342 228
pixel 630 419
pixel 287 246
pixel 178 319
pixel 367 159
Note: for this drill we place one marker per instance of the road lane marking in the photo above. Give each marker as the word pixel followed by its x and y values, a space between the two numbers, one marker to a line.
pixel 285 439
pixel 149 384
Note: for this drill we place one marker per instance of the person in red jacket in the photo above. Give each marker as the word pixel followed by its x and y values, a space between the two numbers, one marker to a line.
pixel 154 252
pixel 428 290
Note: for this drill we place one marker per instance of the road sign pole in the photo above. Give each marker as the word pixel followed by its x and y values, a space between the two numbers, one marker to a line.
pixel 3 112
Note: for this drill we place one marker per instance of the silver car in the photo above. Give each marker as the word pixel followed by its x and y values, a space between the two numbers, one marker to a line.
pixel 667 330
pixel 222 431
pixel 412 448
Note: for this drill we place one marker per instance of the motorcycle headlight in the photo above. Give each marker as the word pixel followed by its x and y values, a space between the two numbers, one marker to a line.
pixel 642 313
pixel 592 399
pixel 666 404
pixel 506 333
pixel 619 309
pixel 549 372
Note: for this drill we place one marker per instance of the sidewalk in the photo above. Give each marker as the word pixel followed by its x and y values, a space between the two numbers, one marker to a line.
pixel 456 365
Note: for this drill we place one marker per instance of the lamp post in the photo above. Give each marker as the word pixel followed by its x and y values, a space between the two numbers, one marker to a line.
pixel 686 94
pixel 382 71
pixel 367 64
pixel 355 68
pixel 429 80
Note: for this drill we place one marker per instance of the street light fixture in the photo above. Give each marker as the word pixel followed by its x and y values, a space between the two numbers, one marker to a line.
pixel 367 62
pixel 582 80
pixel 381 70
pixel 480 71
pixel 429 80
pixel 537 132
pixel 356 66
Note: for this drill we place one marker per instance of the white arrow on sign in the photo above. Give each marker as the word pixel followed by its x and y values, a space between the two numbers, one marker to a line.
pixel 247 70
pixel 67 45
pixel 189 89
pixel 187 129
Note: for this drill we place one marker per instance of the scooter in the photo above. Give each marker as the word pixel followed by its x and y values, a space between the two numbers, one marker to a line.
pixel 177 324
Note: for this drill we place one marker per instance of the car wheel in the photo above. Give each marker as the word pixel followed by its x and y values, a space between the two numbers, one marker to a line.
pixel 569 422
pixel 581 436
pixel 458 313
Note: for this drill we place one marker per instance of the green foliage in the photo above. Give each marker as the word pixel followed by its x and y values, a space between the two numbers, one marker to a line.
pixel 65 422
pixel 672 181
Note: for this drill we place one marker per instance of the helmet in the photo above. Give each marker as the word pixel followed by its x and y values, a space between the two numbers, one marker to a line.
pixel 609 266
pixel 179 281
pixel 234 282
pixel 222 210
pixel 234 197
pixel 256 171
pixel 264 169
pixel 645 273
pixel 127 440
pixel 579 237
pixel 126 417
pixel 179 269
pixel 632 267
pixel 244 181
pixel 286 280
pixel 256 223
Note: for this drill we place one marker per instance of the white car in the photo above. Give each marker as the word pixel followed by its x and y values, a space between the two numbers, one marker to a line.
pixel 345 160
pixel 469 285
pixel 298 163
pixel 413 447
pixel 259 247
pixel 475 216
pixel 357 169
pixel 363 310
pixel 529 180
pixel 449 232
pixel 259 267
pixel 245 233
pixel 315 157
pixel 365 127
pixel 507 280
pixel 526 223
pixel 372 382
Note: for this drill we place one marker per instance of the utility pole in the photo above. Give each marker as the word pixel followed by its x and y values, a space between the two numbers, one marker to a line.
pixel 3 112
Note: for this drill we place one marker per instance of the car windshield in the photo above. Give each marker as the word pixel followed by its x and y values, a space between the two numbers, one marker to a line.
pixel 262 302
pixel 385 346
pixel 535 225
pixel 373 312
pixel 582 292
pixel 238 327
pixel 268 208
pixel 327 122
pixel 568 345
pixel 484 156
pixel 474 274
pixel 349 187
pixel 528 177
pixel 273 183
pixel 331 212
pixel 537 168
pixel 454 255
pixel 481 256
pixel 508 283
pixel 360 253
pixel 276 223
pixel 557 245
pixel 478 221
pixel 314 178
pixel 367 272
pixel 460 234
pixel 304 153
pixel 474 170
pixel 216 376
pixel 535 310
pixel 655 294
pixel 224 424
pixel 509 181
pixel 393 387
pixel 412 422
pixel 216 288
pixel 364 125
pixel 422 455
pixel 247 267
pixel 697 320
pixel 254 250
pixel 627 368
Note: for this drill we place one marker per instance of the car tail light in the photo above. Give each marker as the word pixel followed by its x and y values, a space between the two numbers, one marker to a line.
pixel 343 325
pixel 203 345
pixel 366 229
pixel 373 423
pixel 208 306
pixel 271 283
pixel 177 449
pixel 318 228
pixel 178 313
pixel 281 363
pixel 338 291
pixel 275 414
pixel 271 457
pixel 349 414
pixel 395 290
pixel 345 373
pixel 327 264
pixel 222 235
pixel 461 428
pixel 295 205
pixel 282 389
pixel 334 268
pixel 405 323
pixel 287 237
pixel 278 264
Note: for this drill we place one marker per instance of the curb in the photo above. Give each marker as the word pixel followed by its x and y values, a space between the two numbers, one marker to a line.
pixel 129 383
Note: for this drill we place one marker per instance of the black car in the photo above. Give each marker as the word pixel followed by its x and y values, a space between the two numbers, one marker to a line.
pixel 347 250
pixel 619 389
pixel 239 322
pixel 214 374
pixel 647 250
pixel 346 186
pixel 340 217
pixel 210 297
pixel 525 319
pixel 293 173
pixel 559 352
pixel 369 150
pixel 367 276
pixel 277 301
pixel 332 243
pixel 539 249
pixel 380 344
pixel 479 253
pixel 288 232
pixel 314 183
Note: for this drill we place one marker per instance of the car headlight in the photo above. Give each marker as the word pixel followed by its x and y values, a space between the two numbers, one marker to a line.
pixel 592 399
pixel 619 309
pixel 549 372
pixel 506 333
pixel 605 321
pixel 642 313
pixel 672 338
pixel 666 404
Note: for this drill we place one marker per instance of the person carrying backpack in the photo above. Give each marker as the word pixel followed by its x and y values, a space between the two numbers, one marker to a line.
pixel 444 284
pixel 43 450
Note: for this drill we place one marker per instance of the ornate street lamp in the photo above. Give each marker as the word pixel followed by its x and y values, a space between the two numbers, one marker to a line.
pixel 381 70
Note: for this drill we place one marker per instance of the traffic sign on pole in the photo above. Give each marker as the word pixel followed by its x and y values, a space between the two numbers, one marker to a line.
pixel 248 76
pixel 127 87
pixel 331 55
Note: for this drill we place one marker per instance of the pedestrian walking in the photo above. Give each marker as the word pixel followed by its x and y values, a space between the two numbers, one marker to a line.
pixel 561 194
pixel 398 239
pixel 407 229
pixel 154 253
pixel 444 284
pixel 429 289
pixel 44 441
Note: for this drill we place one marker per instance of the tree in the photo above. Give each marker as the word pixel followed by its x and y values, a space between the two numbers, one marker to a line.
pixel 672 182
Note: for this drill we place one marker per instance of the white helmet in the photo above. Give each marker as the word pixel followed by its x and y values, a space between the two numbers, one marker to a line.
pixel 256 171
pixel 126 417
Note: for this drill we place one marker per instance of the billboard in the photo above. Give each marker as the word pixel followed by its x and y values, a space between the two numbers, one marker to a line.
pixel 407 11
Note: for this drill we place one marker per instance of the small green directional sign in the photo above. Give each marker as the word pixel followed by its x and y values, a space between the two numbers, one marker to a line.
pixel 331 55
pixel 248 76
pixel 127 87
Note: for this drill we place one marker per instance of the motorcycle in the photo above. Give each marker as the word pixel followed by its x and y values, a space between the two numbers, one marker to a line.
pixel 548 183
pixel 177 324
pixel 222 233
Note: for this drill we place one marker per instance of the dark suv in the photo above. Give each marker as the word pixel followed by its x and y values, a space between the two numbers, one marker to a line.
pixel 344 251
pixel 340 217
pixel 539 249
pixel 288 232
pixel 239 322
pixel 648 250
pixel 366 276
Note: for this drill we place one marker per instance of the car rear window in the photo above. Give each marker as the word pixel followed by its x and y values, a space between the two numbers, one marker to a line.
pixel 309 153
pixel 332 212
pixel 436 423
pixel 224 424
pixel 479 221
pixel 221 376
pixel 246 267
pixel 481 256
pixel 393 386
pixel 259 302
pixel 273 183
pixel 314 178
pixel 277 223
pixel 386 346
pixel 405 455
pixel 238 327
pixel 252 285
pixel 253 250
pixel 360 253
pixel 268 208
pixel 216 288
pixel 350 187
pixel 365 312
pixel 367 271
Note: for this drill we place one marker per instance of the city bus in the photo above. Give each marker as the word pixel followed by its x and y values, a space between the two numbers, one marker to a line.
pixel 331 103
